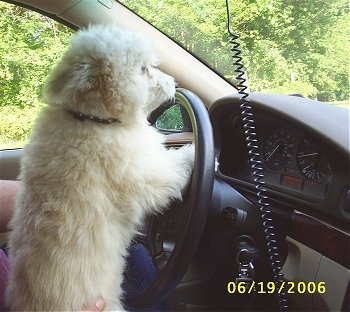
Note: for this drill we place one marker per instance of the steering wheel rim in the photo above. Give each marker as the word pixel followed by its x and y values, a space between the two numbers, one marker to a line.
pixel 200 193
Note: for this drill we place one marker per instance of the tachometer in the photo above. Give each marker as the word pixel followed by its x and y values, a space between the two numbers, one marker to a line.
pixel 311 161
pixel 278 148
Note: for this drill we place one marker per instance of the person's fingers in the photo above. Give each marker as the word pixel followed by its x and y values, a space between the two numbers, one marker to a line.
pixel 98 305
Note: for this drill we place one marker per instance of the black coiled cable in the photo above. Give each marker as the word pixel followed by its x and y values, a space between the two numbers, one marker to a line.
pixel 255 163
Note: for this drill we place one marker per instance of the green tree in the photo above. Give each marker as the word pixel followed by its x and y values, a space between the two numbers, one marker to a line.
pixel 289 46
pixel 30 44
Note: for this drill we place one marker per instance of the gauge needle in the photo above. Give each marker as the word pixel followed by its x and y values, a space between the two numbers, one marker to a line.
pixel 308 155
pixel 273 152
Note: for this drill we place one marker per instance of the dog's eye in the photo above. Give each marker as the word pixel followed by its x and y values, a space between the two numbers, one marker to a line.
pixel 143 69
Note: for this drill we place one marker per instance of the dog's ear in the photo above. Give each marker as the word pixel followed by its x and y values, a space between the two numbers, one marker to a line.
pixel 98 78
pixel 75 80
pixel 55 89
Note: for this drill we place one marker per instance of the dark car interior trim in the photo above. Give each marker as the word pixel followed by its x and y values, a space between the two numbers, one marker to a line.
pixel 323 238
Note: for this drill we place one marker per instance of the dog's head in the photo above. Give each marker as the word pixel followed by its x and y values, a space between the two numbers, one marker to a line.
pixel 109 72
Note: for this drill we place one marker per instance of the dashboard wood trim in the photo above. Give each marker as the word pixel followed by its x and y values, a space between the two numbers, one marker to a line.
pixel 180 138
pixel 321 237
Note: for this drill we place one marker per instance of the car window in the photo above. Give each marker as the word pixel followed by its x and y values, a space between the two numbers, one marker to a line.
pixel 288 46
pixel 171 120
pixel 30 44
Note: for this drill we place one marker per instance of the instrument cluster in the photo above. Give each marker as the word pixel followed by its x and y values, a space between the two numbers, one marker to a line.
pixel 304 168
pixel 292 159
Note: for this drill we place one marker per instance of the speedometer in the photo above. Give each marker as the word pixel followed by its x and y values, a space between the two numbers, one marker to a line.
pixel 278 148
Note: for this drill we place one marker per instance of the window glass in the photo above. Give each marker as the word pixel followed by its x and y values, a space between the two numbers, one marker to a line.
pixel 30 44
pixel 171 120
pixel 288 46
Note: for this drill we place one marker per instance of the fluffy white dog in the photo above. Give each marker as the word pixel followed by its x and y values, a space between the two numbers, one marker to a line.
pixel 91 171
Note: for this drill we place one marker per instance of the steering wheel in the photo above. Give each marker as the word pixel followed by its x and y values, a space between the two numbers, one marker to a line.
pixel 197 203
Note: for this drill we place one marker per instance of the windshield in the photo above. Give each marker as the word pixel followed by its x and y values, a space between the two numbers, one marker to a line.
pixel 288 46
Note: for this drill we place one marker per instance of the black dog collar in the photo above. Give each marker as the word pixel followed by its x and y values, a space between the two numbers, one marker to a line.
pixel 82 117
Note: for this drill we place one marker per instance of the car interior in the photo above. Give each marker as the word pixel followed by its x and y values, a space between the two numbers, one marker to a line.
pixel 269 200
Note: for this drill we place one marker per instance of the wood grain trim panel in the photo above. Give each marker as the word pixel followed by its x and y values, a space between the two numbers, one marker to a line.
pixel 321 237
pixel 180 138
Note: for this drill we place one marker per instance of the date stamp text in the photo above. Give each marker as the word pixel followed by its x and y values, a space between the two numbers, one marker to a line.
pixel 271 287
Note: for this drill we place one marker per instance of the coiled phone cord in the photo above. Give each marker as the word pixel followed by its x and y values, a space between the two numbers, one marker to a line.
pixel 255 163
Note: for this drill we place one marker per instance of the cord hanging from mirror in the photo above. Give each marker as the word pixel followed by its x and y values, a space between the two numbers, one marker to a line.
pixel 255 163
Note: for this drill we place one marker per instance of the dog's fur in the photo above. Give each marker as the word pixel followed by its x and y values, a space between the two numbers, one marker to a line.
pixel 87 185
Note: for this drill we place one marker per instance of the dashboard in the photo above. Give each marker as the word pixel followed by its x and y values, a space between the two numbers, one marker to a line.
pixel 302 168
pixel 291 159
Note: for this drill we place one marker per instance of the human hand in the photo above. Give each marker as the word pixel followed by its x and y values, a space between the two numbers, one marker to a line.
pixel 8 190
pixel 98 305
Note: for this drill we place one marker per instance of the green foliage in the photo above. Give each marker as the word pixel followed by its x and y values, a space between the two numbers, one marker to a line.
pixel 289 46
pixel 171 119
pixel 16 123
pixel 30 44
